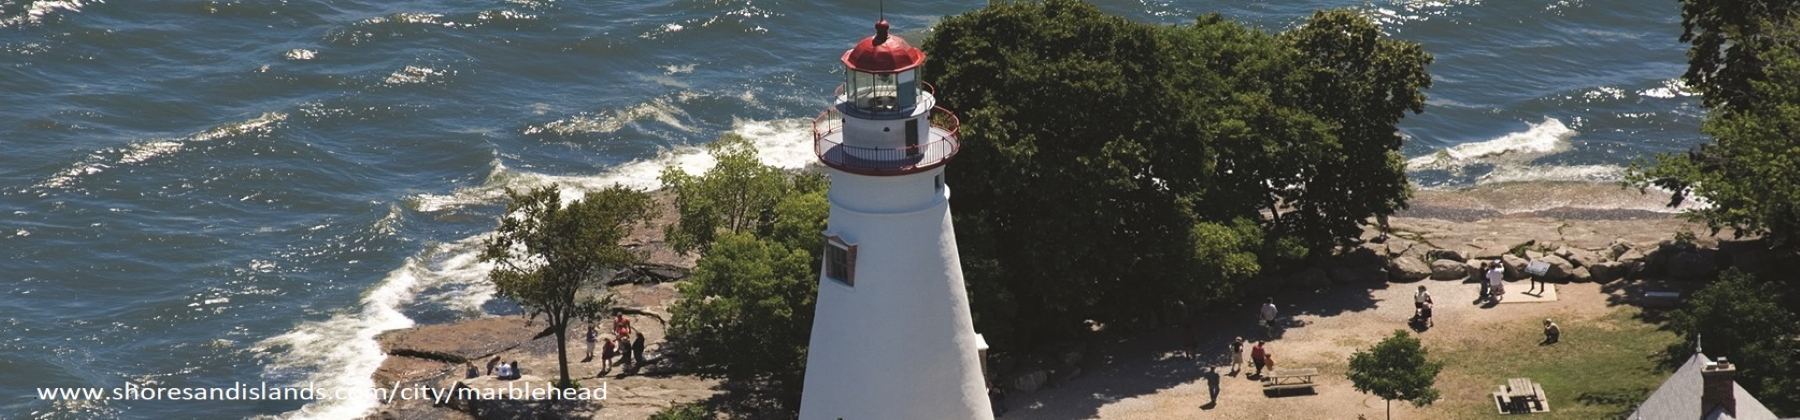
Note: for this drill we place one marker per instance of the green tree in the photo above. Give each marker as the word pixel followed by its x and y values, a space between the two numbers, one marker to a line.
pixel 734 196
pixel 1396 369
pixel 547 254
pixel 1743 60
pixel 746 311
pixel 746 314
pixel 1739 317
pixel 1104 143
pixel 1055 154
pixel 1727 38
pixel 1362 85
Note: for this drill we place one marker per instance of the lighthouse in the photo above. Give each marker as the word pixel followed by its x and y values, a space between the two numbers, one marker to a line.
pixel 892 337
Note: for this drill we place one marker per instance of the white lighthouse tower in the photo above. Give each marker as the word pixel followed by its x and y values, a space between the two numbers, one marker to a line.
pixel 892 337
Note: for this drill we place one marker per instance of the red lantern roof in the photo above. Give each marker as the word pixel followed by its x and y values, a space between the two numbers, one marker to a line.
pixel 883 53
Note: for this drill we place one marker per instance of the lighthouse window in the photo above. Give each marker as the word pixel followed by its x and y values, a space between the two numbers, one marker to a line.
pixel 840 261
pixel 874 92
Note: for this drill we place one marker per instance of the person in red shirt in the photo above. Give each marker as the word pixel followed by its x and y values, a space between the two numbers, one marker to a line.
pixel 1258 356
pixel 622 327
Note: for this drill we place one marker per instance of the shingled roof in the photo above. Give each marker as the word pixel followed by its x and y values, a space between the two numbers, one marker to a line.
pixel 1680 398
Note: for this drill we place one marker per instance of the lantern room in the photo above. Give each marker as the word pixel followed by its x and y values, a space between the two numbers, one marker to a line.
pixel 882 73
pixel 886 121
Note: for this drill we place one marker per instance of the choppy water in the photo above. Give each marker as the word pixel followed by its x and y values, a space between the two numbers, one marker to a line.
pixel 201 193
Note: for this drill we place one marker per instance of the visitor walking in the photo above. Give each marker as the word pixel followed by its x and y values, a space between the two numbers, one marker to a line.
pixel 1237 355
pixel 1267 315
pixel 593 337
pixel 1258 357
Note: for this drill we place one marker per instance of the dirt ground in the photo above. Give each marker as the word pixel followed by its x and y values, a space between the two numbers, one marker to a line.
pixel 1147 378
pixel 1144 375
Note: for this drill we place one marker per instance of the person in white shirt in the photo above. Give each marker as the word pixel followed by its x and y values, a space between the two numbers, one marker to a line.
pixel 1420 300
pixel 1267 315
pixel 1495 275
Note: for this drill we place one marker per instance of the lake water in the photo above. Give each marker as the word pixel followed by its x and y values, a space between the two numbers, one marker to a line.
pixel 202 193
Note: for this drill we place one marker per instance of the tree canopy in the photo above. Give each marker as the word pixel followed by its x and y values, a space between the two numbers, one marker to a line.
pixel 546 253
pixel 1396 369
pixel 745 313
pixel 1740 318
pixel 1745 61
pixel 736 195
pixel 1129 154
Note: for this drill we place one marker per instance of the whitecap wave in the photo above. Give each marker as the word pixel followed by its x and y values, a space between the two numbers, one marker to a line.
pixel 414 75
pixel 149 150
pixel 301 54
pixel 662 110
pixel 1538 173
pixel 37 10
pixel 1513 149
pixel 341 353
pixel 1671 88
pixel 780 143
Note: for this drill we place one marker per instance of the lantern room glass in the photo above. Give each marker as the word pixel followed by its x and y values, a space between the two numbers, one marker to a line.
pixel 882 92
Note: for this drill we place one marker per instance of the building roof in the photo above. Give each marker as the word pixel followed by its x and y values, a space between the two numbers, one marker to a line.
pixel 883 53
pixel 1679 398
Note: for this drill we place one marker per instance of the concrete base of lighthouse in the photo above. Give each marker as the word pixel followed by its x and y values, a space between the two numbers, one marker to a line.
pixel 899 343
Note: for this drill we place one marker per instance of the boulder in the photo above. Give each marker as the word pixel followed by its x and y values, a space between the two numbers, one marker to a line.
pixel 1617 248
pixel 1449 270
pixel 1636 262
pixel 1445 254
pixel 1515 266
pixel 1532 254
pixel 1560 269
pixel 1309 279
pixel 1069 357
pixel 1360 257
pixel 459 342
pixel 1029 381
pixel 1608 271
pixel 1694 265
pixel 1583 258
pixel 1751 256
pixel 1063 376
pixel 1408 269
pixel 1581 275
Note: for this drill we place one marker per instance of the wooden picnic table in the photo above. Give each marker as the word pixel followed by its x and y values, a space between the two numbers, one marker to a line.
pixel 1285 379
pixel 1521 393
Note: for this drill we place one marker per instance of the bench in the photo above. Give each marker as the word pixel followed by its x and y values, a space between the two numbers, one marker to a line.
pixel 1521 395
pixel 1661 299
pixel 1286 379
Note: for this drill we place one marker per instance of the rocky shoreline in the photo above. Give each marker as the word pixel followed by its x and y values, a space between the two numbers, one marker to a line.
pixel 436 356
pixel 1606 236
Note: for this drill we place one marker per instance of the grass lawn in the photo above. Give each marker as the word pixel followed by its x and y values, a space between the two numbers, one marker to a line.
pixel 1601 370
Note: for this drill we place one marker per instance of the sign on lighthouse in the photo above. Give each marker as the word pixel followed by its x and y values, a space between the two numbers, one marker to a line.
pixel 892 336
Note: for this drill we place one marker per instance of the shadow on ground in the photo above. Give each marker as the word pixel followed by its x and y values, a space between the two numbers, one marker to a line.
pixel 1142 363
